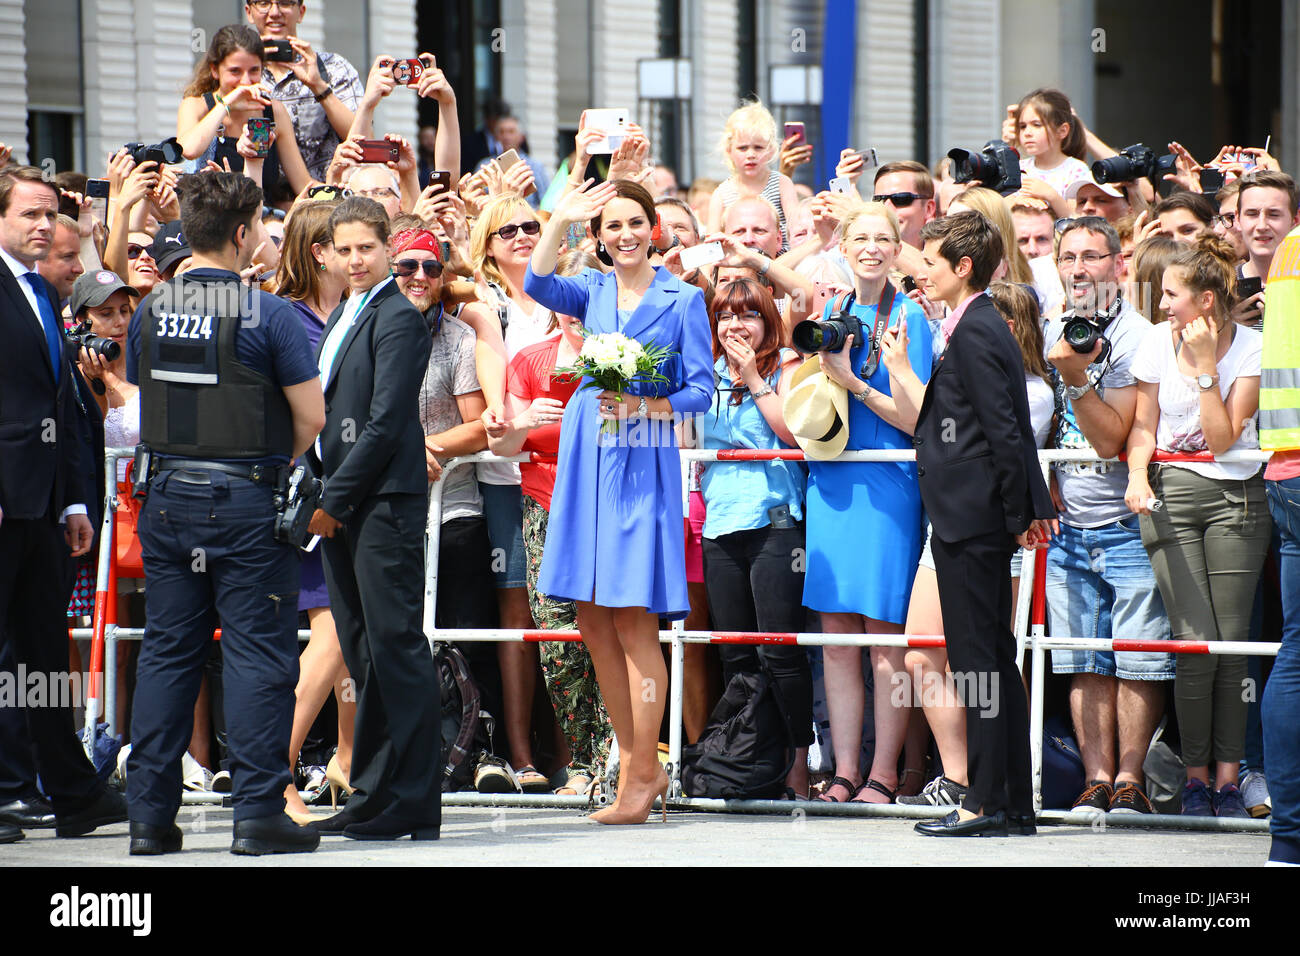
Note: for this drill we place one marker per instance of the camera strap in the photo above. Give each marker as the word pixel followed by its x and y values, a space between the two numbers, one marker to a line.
pixel 883 308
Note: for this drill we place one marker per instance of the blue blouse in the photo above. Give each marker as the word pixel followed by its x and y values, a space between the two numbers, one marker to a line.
pixel 739 494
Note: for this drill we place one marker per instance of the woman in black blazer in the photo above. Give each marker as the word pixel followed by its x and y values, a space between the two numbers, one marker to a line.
pixel 372 357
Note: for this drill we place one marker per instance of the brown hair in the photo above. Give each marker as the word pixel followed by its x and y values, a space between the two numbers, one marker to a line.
pixel 298 275
pixel 1053 108
pixel 229 39
pixel 967 235
pixel 1209 265
pixel 747 295
pixel 1151 257
pixel 12 175
pixel 1197 204
pixel 626 189
pixel 1268 179
pixel 1018 304
pixel 924 181
pixel 363 210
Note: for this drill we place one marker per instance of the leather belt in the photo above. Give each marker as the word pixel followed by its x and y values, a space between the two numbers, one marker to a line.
pixel 268 474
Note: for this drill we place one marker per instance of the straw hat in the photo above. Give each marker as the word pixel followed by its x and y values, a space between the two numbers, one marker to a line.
pixel 817 412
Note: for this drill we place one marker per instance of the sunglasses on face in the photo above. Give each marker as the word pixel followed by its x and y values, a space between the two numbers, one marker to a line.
pixel 405 268
pixel 898 200
pixel 134 251
pixel 530 228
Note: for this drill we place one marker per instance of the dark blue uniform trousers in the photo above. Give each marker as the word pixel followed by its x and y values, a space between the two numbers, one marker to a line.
pixel 209 556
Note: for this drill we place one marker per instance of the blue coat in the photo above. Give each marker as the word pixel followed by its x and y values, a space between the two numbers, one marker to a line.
pixel 615 532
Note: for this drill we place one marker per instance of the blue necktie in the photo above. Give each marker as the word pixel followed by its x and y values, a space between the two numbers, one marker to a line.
pixel 50 322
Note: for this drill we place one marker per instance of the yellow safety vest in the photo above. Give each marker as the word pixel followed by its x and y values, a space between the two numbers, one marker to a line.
pixel 1279 383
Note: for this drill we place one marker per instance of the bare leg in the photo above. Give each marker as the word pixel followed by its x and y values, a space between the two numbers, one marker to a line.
pixel 1138 704
pixel 1092 706
pixel 930 679
pixel 318 671
pixel 519 664
pixel 597 626
pixel 845 696
pixel 201 738
pixel 891 720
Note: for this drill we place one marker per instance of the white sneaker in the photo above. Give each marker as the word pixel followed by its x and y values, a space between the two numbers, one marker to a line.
pixel 118 779
pixel 1254 793
pixel 194 775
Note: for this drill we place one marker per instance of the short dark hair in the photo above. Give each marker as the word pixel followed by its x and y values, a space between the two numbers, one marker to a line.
pixel 214 205
pixel 924 180
pixel 361 209
pixel 968 235
pixel 1097 225
pixel 1197 204
pixel 10 176
pixel 1269 179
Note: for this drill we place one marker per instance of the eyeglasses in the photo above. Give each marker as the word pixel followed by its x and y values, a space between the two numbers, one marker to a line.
pixel 1087 258
pixel 381 192
pixel 530 228
pixel 880 240
pixel 739 317
pixel 1227 220
pixel 406 268
pixel 133 251
pixel 898 200
pixel 261 6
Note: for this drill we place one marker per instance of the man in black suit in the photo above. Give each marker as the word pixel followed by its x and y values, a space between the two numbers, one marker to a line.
pixel 373 356
pixel 42 486
pixel 984 492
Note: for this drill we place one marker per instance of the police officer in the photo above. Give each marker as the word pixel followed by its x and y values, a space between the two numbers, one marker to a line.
pixel 228 392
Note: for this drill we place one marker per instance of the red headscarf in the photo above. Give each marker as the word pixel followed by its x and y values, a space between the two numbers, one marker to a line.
pixel 409 239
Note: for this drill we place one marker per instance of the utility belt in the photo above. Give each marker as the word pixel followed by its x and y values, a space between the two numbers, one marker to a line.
pixel 297 493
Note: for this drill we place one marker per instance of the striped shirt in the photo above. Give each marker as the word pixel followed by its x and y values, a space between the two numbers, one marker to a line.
pixel 771 192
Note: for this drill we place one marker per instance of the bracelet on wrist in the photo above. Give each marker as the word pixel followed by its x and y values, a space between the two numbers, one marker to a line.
pixel 762 392
pixel 323 94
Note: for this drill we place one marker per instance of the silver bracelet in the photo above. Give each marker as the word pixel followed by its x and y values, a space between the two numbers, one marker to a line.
pixel 765 390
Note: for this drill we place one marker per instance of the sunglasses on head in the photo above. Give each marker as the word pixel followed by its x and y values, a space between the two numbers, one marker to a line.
pixel 405 268
pixel 898 200
pixel 530 228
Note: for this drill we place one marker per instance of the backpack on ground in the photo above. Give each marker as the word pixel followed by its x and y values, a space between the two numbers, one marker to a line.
pixel 747 749
pixel 466 727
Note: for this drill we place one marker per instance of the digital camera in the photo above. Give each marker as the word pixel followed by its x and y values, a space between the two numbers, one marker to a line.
pixel 996 166
pixel 1134 162
pixel 82 338
pixel 166 153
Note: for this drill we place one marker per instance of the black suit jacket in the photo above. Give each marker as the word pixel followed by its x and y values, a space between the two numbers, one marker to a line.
pixel 41 468
pixel 373 443
pixel 976 459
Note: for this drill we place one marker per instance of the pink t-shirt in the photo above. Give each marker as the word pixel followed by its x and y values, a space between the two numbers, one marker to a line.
pixel 1283 465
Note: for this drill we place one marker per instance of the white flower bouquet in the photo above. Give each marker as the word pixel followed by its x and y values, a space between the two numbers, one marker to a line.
pixel 613 362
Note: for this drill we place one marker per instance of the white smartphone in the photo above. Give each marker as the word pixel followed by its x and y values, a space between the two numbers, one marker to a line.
pixel 842 184
pixel 612 122
pixel 706 253
pixel 310 546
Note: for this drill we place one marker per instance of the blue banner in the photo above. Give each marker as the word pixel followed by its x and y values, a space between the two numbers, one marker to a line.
pixel 839 58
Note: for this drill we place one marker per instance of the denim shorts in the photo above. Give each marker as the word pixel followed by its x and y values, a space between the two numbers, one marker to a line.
pixel 503 507
pixel 1100 584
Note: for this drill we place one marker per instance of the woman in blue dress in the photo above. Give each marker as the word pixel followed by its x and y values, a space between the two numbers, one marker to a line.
pixel 864 519
pixel 615 543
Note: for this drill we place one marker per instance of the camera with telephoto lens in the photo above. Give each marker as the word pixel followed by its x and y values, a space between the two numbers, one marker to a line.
pixel 295 503
pixel 166 153
pixel 82 338
pixel 828 335
pixel 996 166
pixel 1134 162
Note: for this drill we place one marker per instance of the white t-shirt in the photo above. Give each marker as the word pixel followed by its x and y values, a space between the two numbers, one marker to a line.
pixel 1042 402
pixel 522 330
pixel 1179 428
pixel 1058 177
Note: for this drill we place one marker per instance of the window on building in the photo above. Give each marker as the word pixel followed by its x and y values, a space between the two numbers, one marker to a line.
pixel 52 34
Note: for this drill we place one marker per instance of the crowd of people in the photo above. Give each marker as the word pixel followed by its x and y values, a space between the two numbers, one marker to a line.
pixel 418 302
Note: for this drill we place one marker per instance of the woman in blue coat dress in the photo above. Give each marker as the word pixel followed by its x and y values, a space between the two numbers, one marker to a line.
pixel 615 544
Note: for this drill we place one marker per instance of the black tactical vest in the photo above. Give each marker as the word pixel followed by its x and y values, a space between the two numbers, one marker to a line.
pixel 196 399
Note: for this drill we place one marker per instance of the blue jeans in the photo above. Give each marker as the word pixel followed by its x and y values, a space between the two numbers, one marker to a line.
pixel 1281 703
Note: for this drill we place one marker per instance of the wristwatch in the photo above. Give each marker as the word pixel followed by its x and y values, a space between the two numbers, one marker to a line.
pixel 1076 392
pixel 642 408
pixel 862 395
pixel 1207 382
pixel 765 390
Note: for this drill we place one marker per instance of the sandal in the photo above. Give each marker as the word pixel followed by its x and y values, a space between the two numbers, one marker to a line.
pixel 532 781
pixel 826 797
pixel 577 784
pixel 877 786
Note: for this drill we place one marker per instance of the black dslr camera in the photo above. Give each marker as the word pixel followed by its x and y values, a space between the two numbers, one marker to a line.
pixel 82 338
pixel 829 335
pixel 166 153
pixel 1134 162
pixel 996 166
pixel 296 500
pixel 1082 335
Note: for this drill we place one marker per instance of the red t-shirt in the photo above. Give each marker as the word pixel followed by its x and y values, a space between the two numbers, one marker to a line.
pixel 529 377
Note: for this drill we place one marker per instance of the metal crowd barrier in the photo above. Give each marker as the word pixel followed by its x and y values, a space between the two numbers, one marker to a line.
pixel 1029 630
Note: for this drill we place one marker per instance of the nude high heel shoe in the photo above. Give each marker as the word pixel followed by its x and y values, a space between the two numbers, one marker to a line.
pixel 338 781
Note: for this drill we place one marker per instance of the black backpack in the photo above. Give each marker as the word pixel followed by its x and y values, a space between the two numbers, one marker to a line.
pixel 466 728
pixel 747 749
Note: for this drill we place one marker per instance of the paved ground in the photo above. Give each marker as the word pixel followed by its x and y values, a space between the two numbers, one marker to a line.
pixel 482 836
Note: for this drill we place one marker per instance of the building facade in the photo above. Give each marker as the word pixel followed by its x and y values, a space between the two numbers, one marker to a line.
pixel 911 78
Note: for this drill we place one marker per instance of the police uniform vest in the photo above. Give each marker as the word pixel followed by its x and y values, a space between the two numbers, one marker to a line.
pixel 1279 383
pixel 196 399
